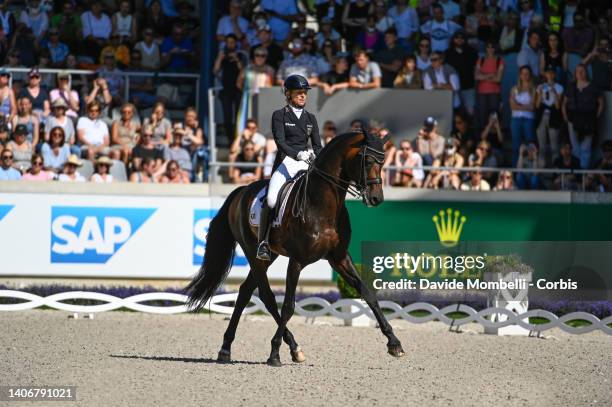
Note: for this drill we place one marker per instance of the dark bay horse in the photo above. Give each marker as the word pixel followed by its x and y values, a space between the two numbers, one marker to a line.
pixel 315 226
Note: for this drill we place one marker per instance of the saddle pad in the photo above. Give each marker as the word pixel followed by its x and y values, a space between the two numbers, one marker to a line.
pixel 259 201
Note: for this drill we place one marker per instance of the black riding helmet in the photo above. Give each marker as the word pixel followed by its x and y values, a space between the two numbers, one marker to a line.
pixel 296 82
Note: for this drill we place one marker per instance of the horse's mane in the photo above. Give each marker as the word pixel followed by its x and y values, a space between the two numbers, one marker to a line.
pixel 369 139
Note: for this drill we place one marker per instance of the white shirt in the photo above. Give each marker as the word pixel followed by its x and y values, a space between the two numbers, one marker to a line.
pixel 406 22
pixel 549 98
pixel 99 28
pixel 523 98
pixel 98 178
pixel 297 111
pixel 38 23
pixel 66 178
pixel 225 27
pixel 440 33
pixel 440 79
pixel 95 130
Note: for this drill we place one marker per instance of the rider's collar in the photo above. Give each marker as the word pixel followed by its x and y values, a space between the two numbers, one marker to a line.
pixel 297 110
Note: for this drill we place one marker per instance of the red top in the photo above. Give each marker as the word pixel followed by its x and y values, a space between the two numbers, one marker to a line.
pixel 489 66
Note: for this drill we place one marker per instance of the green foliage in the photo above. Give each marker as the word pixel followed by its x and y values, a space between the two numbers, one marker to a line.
pixel 346 291
pixel 506 264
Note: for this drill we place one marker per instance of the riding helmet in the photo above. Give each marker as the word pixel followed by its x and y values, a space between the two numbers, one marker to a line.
pixel 296 82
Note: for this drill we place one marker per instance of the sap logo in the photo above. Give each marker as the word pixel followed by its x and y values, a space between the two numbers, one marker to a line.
pixel 92 235
pixel 201 220
pixel 4 210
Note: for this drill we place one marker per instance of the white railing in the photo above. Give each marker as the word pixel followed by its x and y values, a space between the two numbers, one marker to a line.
pixel 322 308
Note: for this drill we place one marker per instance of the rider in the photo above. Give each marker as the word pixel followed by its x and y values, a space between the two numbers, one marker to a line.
pixel 292 126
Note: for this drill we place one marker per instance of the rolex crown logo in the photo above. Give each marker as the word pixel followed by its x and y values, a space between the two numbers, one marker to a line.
pixel 449 226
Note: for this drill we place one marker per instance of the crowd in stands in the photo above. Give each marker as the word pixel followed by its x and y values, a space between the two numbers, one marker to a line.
pixel 78 127
pixel 458 46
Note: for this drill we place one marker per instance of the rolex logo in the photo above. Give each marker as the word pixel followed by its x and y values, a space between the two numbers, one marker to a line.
pixel 449 226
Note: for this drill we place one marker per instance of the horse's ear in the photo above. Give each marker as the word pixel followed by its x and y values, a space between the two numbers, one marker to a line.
pixel 386 138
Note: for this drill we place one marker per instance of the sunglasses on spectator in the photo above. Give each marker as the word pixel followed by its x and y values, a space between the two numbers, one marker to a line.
pixel 56 134
pixel 261 55
pixel 249 149
pixel 172 169
pixel 5 75
pixel 7 157
pixel 507 177
pixel 126 111
pixel 332 128
pixel 37 163
pixel 96 110
pixel 252 127
pixel 147 135
pixel 35 77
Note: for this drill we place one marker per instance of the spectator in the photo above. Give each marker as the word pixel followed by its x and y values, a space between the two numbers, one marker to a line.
pixel 530 55
pixel 186 21
pixel 511 36
pixel 522 104
pixel 526 14
pixel 603 182
pixel 337 78
pixel 124 134
pixel 382 18
pixel 35 19
pixel 102 174
pixel 406 23
pixel 479 24
pixel 319 58
pixel 601 64
pixel 583 106
pixel 579 38
pixel 59 119
pixel 409 77
pixel 119 51
pixel 329 132
pixel 463 58
pixel 483 158
pixel 529 159
pixel 156 20
pixel 423 56
pixel 21 147
pixel 364 74
pixel 55 150
pixel 146 149
pixel 100 93
pixel 244 175
pixel 28 120
pixel 93 133
pixel 450 158
pixel 177 51
pixel 195 143
pixel 258 74
pixel 7 172
pixel 141 87
pixel 78 82
pixel 566 161
pixel 329 9
pixel 274 51
pixel 173 174
pixel 228 64
pixel 369 38
pixel 451 9
pixel 47 80
pixel 505 182
pixel 354 17
pixel 463 132
pixel 357 125
pixel 406 157
pixel 97 28
pixel 299 63
pixel 7 20
pixel 327 33
pixel 160 125
pixel 57 50
pixel 250 134
pixel 70 173
pixel 488 73
pixel 177 153
pixel 149 172
pixel 554 56
pixel 17 83
pixel 38 95
pixel 548 104
pixel 69 26
pixel 8 105
pixel 439 28
pixel 112 75
pixel 441 76
pixel 390 58
pixel 124 23
pixel 63 91
pixel 429 144
pixel 476 183
pixel 25 41
pixel 377 128
pixel 36 171
pixel 149 51
pixel 492 133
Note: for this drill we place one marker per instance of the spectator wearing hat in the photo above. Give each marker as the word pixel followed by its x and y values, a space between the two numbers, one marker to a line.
pixel 177 51
pixel 93 133
pixel 68 23
pixel 475 182
pixel 232 23
pixel 548 105
pixel 124 133
pixel 59 119
pixel 26 118
pixel 70 173
pixel 7 172
pixel 337 78
pixel 298 63
pixel 429 144
pixel 8 104
pixel 65 92
pixel 102 174
pixel 37 95
pixel 265 41
pixel 281 14
pixel 413 175
pixel 124 23
pixel 463 58
pixel 55 150
pixel 450 158
pixel 35 19
pixel 177 153
pixel 149 51
pixel 390 58
pixel 441 76
pixel 22 148
pixel 97 28
pixel 406 23
pixel 36 171
pixel 57 50
pixel 440 29
pixel 364 74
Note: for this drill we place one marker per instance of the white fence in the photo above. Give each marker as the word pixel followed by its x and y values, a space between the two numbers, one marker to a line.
pixel 319 307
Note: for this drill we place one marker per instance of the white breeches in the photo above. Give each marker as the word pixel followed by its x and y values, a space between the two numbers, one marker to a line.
pixel 287 170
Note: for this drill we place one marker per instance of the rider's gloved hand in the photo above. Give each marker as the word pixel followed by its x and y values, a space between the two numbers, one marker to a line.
pixel 303 156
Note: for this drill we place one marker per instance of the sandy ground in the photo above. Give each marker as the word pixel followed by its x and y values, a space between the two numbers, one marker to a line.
pixel 124 358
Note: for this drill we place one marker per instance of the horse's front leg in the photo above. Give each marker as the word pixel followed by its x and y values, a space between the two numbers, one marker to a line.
pixel 293 275
pixel 344 265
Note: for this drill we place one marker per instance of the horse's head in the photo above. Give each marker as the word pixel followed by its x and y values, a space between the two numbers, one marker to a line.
pixel 364 165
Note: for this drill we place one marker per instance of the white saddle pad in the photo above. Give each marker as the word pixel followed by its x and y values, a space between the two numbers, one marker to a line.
pixel 259 201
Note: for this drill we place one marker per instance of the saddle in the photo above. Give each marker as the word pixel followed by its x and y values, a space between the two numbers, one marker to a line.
pixel 281 202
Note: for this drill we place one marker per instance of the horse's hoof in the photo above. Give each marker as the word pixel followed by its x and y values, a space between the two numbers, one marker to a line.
pixel 396 351
pixel 274 362
pixel 298 356
pixel 224 357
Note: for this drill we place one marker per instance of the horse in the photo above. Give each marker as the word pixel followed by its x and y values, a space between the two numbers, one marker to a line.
pixel 316 227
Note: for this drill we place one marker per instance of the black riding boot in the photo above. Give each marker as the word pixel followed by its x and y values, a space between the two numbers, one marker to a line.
pixel 263 249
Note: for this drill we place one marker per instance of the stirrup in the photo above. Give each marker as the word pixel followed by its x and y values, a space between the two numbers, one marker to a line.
pixel 263 251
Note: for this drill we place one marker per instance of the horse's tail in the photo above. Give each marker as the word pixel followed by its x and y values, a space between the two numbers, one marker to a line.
pixel 218 258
